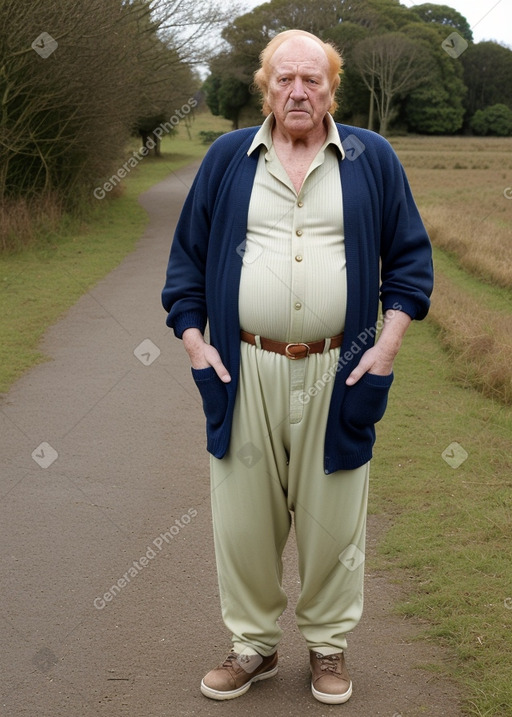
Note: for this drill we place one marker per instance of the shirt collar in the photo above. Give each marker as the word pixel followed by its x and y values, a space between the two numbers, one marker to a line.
pixel 264 135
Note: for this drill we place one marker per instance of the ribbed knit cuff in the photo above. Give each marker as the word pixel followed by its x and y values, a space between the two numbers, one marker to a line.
pixel 188 320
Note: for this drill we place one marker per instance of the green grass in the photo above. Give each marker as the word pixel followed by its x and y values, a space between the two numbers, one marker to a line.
pixel 39 283
pixel 449 544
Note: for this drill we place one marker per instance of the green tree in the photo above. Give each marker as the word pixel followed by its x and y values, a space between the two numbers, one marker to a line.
pixel 436 106
pixel 226 95
pixel 342 21
pixel 494 120
pixel 446 16
pixel 488 76
pixel 364 19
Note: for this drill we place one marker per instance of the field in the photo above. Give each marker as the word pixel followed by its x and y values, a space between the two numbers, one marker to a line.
pixel 442 473
pixel 443 466
pixel 463 187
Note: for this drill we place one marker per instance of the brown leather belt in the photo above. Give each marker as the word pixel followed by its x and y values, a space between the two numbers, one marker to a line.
pixel 292 350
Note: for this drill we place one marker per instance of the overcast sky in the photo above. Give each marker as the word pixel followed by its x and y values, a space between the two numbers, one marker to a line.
pixel 489 19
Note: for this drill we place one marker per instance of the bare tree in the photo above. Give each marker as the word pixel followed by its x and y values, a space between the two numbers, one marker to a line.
pixel 390 65
pixel 75 77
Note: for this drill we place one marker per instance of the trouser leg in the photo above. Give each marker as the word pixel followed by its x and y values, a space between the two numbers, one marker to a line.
pixel 330 522
pixel 251 520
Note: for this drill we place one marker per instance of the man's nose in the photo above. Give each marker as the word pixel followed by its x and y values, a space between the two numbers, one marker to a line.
pixel 298 90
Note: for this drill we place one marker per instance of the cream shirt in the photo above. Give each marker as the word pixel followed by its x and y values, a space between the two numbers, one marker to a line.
pixel 293 280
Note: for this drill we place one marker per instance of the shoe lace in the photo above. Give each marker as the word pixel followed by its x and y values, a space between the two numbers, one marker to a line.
pixel 328 662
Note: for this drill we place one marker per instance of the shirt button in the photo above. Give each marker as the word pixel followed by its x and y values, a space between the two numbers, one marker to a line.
pixel 298 305
pixel 298 257
pixel 300 204
pixel 299 232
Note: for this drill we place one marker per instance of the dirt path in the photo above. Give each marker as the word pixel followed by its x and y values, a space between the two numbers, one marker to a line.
pixel 104 482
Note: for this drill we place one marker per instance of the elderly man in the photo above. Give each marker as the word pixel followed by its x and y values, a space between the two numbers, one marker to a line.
pixel 290 234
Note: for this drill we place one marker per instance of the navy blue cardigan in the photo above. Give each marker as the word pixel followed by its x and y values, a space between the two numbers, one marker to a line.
pixel 382 229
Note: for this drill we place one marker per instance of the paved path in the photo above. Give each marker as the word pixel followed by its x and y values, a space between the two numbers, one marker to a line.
pixel 104 482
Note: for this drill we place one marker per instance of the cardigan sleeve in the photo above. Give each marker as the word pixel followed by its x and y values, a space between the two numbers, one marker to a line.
pixel 183 295
pixel 406 252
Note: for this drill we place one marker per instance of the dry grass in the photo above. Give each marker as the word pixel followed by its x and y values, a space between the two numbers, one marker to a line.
pixel 482 247
pixel 463 187
pixel 479 339
pixel 22 221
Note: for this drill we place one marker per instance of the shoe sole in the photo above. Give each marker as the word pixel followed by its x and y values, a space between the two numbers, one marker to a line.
pixel 232 694
pixel 332 699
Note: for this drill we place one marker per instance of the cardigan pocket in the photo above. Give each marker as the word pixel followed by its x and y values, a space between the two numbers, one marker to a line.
pixel 365 402
pixel 213 393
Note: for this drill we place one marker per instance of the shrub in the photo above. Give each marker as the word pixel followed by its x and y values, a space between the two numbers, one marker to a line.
pixel 496 119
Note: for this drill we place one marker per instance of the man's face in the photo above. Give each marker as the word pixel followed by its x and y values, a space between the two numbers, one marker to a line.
pixel 299 92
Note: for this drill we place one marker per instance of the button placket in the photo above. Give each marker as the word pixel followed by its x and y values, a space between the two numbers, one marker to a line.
pixel 298 272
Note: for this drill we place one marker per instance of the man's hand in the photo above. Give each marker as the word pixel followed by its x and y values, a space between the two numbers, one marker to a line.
pixel 203 355
pixel 379 359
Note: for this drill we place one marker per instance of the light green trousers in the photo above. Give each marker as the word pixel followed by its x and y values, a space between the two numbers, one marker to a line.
pixel 273 469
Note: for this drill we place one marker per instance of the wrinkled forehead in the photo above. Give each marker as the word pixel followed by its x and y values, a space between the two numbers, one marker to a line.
pixel 300 55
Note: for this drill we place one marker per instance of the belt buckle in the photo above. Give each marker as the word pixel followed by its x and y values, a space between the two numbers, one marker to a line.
pixel 292 357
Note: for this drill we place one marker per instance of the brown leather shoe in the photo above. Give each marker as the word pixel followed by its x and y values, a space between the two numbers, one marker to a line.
pixel 236 674
pixel 330 681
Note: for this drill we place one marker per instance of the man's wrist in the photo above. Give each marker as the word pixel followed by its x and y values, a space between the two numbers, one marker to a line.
pixel 193 341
